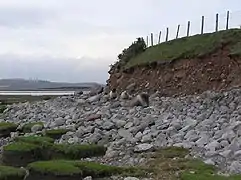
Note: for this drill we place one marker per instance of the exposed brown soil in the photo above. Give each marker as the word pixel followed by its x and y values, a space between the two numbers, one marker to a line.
pixel 182 77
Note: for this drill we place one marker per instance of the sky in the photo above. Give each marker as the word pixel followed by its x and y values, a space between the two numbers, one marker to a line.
pixel 77 40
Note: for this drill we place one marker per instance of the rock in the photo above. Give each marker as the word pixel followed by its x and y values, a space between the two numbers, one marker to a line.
pixel 93 117
pixel 94 98
pixel 130 88
pixel 88 178
pixel 125 134
pixel 119 123
pixel 96 90
pixel 209 161
pixel 37 127
pixel 161 140
pixel 108 125
pixel 78 93
pixel 140 100
pixel 143 147
pixel 113 94
pixel 235 167
pixel 131 178
pixel 124 95
pixel 128 125
pixel 59 122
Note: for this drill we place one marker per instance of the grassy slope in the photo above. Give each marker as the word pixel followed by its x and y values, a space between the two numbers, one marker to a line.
pixel 190 47
pixel 170 164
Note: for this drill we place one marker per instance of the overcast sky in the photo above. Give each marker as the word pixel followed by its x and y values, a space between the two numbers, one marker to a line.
pixel 77 40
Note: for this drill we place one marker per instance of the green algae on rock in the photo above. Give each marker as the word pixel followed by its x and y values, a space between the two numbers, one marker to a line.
pixel 34 139
pixel 77 151
pixel 55 133
pixel 6 128
pixel 71 170
pixel 27 127
pixel 11 173
pixel 20 153
pixel 27 149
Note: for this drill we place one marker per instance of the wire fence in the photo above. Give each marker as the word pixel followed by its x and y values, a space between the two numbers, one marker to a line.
pixel 224 21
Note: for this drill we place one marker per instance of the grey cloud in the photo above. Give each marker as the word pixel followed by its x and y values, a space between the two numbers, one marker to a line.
pixel 52 69
pixel 15 17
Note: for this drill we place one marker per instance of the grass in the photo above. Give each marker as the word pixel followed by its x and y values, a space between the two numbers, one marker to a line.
pixel 190 47
pixel 6 128
pixel 10 173
pixel 55 133
pixel 27 127
pixel 65 168
pixel 171 164
pixel 11 99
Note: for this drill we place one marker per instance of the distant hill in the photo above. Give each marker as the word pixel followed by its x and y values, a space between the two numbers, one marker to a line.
pixel 24 85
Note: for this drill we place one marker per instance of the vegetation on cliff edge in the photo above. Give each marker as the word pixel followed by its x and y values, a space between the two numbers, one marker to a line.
pixel 188 47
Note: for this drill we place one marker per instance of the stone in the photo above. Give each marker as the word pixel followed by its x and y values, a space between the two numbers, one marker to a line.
pixel 119 123
pixel 209 161
pixel 235 167
pixel 128 125
pixel 93 117
pixel 161 140
pixel 88 178
pixel 59 122
pixel 140 100
pixel 94 98
pixel 108 125
pixel 35 128
pixel 143 147
pixel 125 133
pixel 131 178
pixel 124 95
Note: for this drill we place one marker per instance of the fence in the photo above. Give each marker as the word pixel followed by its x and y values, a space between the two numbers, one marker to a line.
pixel 218 22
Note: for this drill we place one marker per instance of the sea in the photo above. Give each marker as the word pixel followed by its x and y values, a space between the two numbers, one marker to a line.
pixel 36 93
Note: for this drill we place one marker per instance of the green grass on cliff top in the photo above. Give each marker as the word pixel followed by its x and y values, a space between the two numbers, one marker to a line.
pixel 190 47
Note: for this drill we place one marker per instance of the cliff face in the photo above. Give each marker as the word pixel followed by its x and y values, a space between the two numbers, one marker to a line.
pixel 215 71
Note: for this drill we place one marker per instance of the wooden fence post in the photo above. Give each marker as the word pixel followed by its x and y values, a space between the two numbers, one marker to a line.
pixel 159 38
pixel 202 25
pixel 178 28
pixel 151 39
pixel 167 34
pixel 227 22
pixel 188 28
pixel 147 41
pixel 216 27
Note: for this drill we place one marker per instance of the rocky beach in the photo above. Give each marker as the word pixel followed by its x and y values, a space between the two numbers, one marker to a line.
pixel 209 125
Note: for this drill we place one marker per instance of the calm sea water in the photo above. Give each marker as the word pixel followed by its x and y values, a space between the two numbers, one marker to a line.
pixel 36 93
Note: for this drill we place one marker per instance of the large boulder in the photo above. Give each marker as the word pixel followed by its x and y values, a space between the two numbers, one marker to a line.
pixel 140 100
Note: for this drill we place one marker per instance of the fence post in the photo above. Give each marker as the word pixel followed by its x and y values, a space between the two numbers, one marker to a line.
pixel 178 28
pixel 216 27
pixel 159 38
pixel 188 28
pixel 146 41
pixel 151 39
pixel 227 23
pixel 202 25
pixel 167 34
